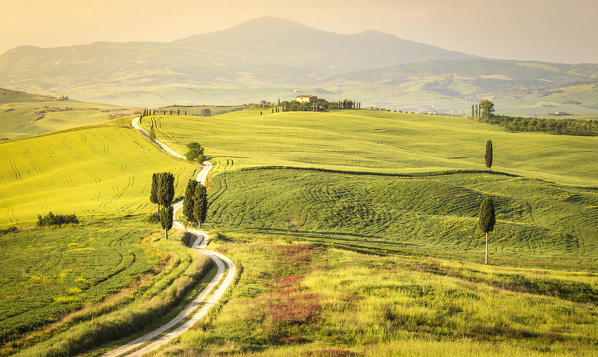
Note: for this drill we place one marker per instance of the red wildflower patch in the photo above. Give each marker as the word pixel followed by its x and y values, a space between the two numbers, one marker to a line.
pixel 332 353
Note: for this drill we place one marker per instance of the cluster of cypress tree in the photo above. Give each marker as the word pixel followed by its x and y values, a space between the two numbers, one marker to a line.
pixel 195 204
pixel 162 194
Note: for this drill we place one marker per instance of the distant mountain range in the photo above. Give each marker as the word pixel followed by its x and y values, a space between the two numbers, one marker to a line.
pixel 268 58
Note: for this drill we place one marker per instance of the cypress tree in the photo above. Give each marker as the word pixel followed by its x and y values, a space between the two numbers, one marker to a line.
pixel 200 204
pixel 487 220
pixel 154 190
pixel 472 111
pixel 166 189
pixel 488 155
pixel 188 202
pixel 166 220
pixel 152 133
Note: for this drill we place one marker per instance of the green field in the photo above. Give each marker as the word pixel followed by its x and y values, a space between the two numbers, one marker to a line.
pixel 386 142
pixel 23 114
pixel 426 215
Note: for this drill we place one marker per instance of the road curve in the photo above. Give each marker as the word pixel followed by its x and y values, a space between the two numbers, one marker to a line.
pixel 173 328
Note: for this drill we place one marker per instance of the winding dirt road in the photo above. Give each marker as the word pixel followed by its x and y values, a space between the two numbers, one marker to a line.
pixel 202 303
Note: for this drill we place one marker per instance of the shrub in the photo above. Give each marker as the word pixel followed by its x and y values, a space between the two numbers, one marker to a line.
pixel 153 218
pixel 51 219
pixel 188 239
pixel 8 230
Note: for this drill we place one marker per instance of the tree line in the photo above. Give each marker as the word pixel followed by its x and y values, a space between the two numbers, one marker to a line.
pixel 204 112
pixel 317 106
pixel 553 126
pixel 484 112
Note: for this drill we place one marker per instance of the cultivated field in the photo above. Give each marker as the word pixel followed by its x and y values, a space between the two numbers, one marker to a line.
pixel 538 222
pixel 91 171
pixel 380 142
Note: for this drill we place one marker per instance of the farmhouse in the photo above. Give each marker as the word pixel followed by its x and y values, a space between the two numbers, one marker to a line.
pixel 308 99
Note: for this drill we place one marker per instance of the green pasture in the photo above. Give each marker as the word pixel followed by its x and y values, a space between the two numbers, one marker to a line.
pixel 374 141
pixel 103 170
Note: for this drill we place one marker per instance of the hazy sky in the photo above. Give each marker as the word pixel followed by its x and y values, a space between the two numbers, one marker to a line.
pixel 550 30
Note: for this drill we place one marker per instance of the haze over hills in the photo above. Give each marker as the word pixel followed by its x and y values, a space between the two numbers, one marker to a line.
pixel 268 58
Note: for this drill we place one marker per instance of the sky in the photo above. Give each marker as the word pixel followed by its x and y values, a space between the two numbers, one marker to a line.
pixel 546 30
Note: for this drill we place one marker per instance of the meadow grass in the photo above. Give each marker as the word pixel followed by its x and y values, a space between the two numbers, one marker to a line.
pixel 378 141
pixel 98 170
pixel 296 298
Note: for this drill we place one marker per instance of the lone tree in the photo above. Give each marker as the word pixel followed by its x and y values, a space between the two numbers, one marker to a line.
pixel 195 152
pixel 188 201
pixel 166 189
pixel 487 220
pixel 154 191
pixel 205 112
pixel 200 204
pixel 488 155
pixel 166 220
pixel 152 133
pixel 486 109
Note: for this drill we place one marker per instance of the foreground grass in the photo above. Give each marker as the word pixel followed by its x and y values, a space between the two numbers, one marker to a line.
pixel 302 299
pixel 379 142
pixel 47 273
pixel 134 306
pixel 98 170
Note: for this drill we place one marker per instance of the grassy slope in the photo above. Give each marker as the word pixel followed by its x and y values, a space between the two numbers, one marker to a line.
pixel 381 142
pixel 420 215
pixel 102 173
pixel 23 114
pixel 296 299
pixel 99 170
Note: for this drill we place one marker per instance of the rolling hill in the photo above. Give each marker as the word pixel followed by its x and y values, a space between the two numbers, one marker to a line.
pixel 270 58
pixel 24 114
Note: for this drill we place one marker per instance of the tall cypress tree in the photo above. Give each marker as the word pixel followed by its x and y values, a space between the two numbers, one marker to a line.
pixel 472 111
pixel 200 204
pixel 488 155
pixel 154 190
pixel 188 202
pixel 487 220
pixel 166 189
pixel 166 219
